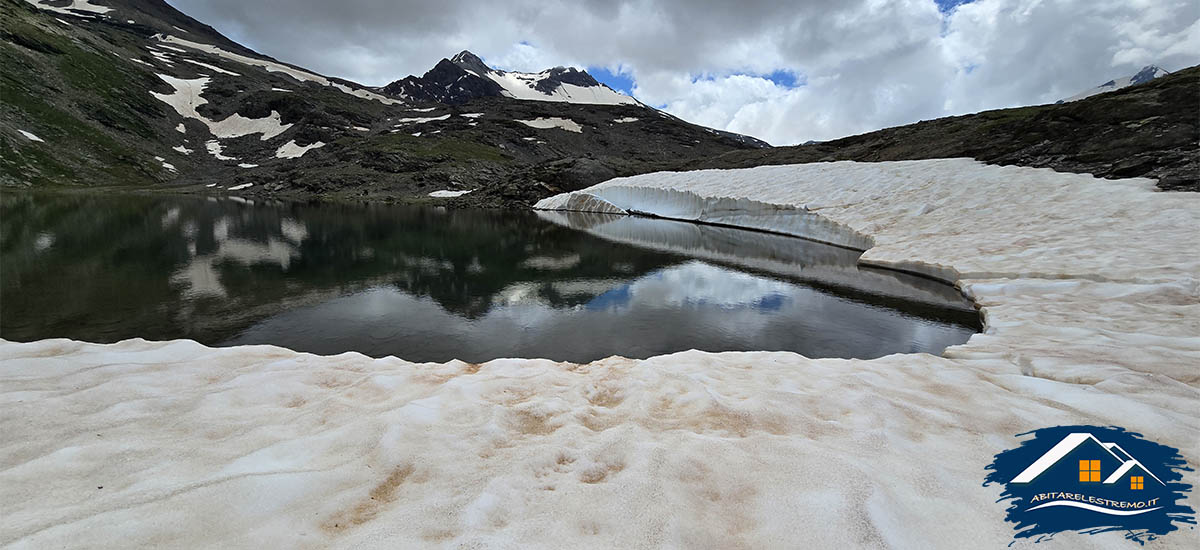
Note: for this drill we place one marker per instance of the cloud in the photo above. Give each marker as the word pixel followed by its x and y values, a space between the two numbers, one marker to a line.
pixel 860 64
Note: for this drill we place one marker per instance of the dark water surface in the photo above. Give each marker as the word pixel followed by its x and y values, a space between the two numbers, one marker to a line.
pixel 428 284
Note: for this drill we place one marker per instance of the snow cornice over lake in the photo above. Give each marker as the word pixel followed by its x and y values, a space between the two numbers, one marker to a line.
pixel 1091 298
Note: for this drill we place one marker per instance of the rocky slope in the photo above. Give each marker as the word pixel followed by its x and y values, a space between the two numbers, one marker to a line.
pixel 1149 130
pixel 134 93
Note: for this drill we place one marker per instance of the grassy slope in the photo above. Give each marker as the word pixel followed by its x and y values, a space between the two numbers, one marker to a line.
pixel 89 106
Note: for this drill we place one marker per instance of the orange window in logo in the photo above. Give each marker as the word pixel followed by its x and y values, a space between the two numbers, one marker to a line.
pixel 1135 482
pixel 1089 471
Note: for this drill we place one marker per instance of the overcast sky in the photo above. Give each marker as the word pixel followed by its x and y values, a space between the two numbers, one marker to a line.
pixel 784 71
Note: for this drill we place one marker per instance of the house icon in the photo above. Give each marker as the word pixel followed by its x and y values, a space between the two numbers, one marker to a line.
pixel 1104 464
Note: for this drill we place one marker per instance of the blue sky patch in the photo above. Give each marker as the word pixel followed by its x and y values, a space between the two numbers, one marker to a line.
pixel 946 6
pixel 785 78
pixel 621 82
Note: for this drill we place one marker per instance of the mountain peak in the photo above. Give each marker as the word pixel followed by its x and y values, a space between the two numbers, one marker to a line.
pixel 1148 73
pixel 465 77
pixel 465 56
pixel 470 62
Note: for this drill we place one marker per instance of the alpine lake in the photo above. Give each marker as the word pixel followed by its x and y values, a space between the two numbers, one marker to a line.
pixel 435 284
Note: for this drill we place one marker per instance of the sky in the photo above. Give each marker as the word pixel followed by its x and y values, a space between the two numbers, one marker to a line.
pixel 783 71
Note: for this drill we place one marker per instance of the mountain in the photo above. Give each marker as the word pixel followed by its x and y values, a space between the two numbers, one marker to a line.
pixel 133 93
pixel 465 77
pixel 1151 130
pixel 1148 73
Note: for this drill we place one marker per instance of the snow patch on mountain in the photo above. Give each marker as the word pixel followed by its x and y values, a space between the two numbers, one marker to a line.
pixel 421 120
pixel 525 86
pixel 272 66
pixel 187 98
pixel 78 8
pixel 214 148
pixel 211 67
pixel 290 150
pixel 545 123
pixel 446 193
pixel 31 137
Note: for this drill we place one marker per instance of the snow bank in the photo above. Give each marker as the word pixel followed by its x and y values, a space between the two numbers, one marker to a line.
pixel 240 187
pixel 625 120
pixel 1090 288
pixel 545 123
pixel 186 99
pixel 290 150
pixel 445 193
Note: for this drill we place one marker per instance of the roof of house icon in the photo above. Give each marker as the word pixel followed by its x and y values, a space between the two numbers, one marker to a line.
pixel 1070 443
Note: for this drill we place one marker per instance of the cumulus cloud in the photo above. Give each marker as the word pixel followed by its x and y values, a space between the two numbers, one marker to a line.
pixel 859 65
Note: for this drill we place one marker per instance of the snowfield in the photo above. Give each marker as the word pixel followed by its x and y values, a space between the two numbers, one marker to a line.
pixel 1090 290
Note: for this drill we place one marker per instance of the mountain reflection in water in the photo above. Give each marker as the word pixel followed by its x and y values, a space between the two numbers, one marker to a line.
pixel 428 284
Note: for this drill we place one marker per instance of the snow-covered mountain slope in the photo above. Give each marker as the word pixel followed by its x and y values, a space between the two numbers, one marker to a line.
pixel 1148 73
pixel 465 77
